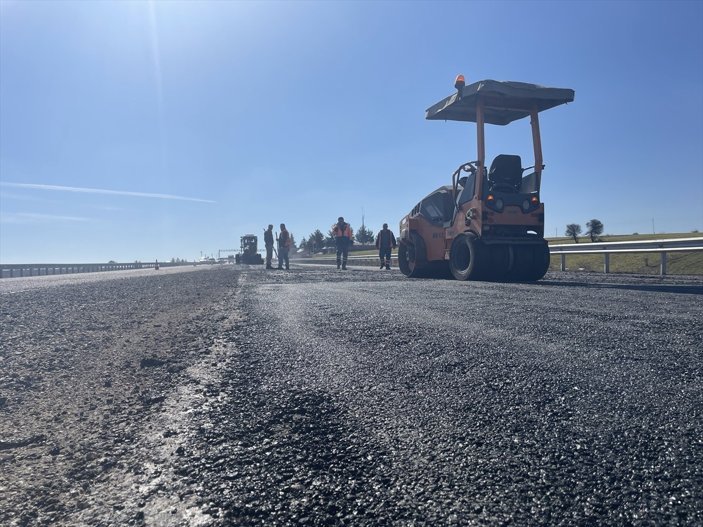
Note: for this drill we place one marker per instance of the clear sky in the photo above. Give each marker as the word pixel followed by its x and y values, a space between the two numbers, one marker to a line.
pixel 141 130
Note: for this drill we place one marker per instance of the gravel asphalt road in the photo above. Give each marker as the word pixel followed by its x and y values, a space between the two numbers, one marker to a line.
pixel 238 396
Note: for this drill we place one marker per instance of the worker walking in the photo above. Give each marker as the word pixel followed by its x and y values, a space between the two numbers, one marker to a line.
pixel 342 233
pixel 385 241
pixel 268 243
pixel 284 244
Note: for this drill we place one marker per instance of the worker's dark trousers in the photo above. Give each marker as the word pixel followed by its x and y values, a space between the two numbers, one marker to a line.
pixel 342 252
pixel 385 256
pixel 283 257
pixel 269 255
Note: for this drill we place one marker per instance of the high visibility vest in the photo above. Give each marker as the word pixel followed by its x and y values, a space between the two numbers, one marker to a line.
pixel 343 231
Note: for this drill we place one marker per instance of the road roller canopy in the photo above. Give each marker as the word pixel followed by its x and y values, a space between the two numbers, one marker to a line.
pixel 504 101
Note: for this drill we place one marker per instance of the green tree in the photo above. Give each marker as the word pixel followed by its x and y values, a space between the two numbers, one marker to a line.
pixel 573 230
pixel 318 240
pixel 329 239
pixel 595 229
pixel 364 235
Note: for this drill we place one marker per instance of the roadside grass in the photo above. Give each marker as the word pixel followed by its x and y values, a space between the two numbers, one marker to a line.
pixel 645 263
pixel 679 263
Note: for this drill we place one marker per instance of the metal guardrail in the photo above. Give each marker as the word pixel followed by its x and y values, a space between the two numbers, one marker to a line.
pixel 663 247
pixel 43 269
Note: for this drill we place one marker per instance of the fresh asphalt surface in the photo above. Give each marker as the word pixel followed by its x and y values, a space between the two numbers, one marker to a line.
pixel 238 396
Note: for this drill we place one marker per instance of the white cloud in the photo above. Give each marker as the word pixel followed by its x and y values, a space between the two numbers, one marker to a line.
pixel 84 190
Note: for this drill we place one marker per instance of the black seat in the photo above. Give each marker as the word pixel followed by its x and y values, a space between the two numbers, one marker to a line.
pixel 505 174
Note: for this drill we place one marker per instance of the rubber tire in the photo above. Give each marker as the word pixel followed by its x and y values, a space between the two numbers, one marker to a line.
pixel 412 256
pixel 530 262
pixel 522 263
pixel 403 258
pixel 467 258
pixel 540 262
pixel 499 259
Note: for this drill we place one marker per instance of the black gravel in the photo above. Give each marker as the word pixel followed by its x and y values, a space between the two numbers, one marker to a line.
pixel 321 397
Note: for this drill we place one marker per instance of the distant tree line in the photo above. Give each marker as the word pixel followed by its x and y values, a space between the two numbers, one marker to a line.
pixel 316 241
pixel 595 229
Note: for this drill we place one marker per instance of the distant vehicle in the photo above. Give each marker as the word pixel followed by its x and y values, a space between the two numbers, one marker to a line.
pixel 488 224
pixel 206 260
pixel 249 253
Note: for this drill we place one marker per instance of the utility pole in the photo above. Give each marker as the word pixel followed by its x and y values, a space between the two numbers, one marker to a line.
pixel 653 226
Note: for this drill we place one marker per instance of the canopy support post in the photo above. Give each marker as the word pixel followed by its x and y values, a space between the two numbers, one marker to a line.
pixel 481 144
pixel 537 144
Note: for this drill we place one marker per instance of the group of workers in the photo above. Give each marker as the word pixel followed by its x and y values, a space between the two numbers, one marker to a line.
pixel 343 238
pixel 284 243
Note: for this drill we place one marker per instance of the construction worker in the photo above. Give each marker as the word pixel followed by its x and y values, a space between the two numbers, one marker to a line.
pixel 268 243
pixel 342 233
pixel 385 241
pixel 284 244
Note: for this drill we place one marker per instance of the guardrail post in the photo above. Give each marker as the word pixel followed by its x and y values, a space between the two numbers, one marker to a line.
pixel 563 261
pixel 606 262
pixel 662 265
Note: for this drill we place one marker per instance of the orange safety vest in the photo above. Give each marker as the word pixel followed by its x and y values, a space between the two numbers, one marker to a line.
pixel 345 231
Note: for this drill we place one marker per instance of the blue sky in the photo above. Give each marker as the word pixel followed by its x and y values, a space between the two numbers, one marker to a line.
pixel 143 130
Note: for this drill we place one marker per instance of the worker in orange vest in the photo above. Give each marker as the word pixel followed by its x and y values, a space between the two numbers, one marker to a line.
pixel 343 238
pixel 385 241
